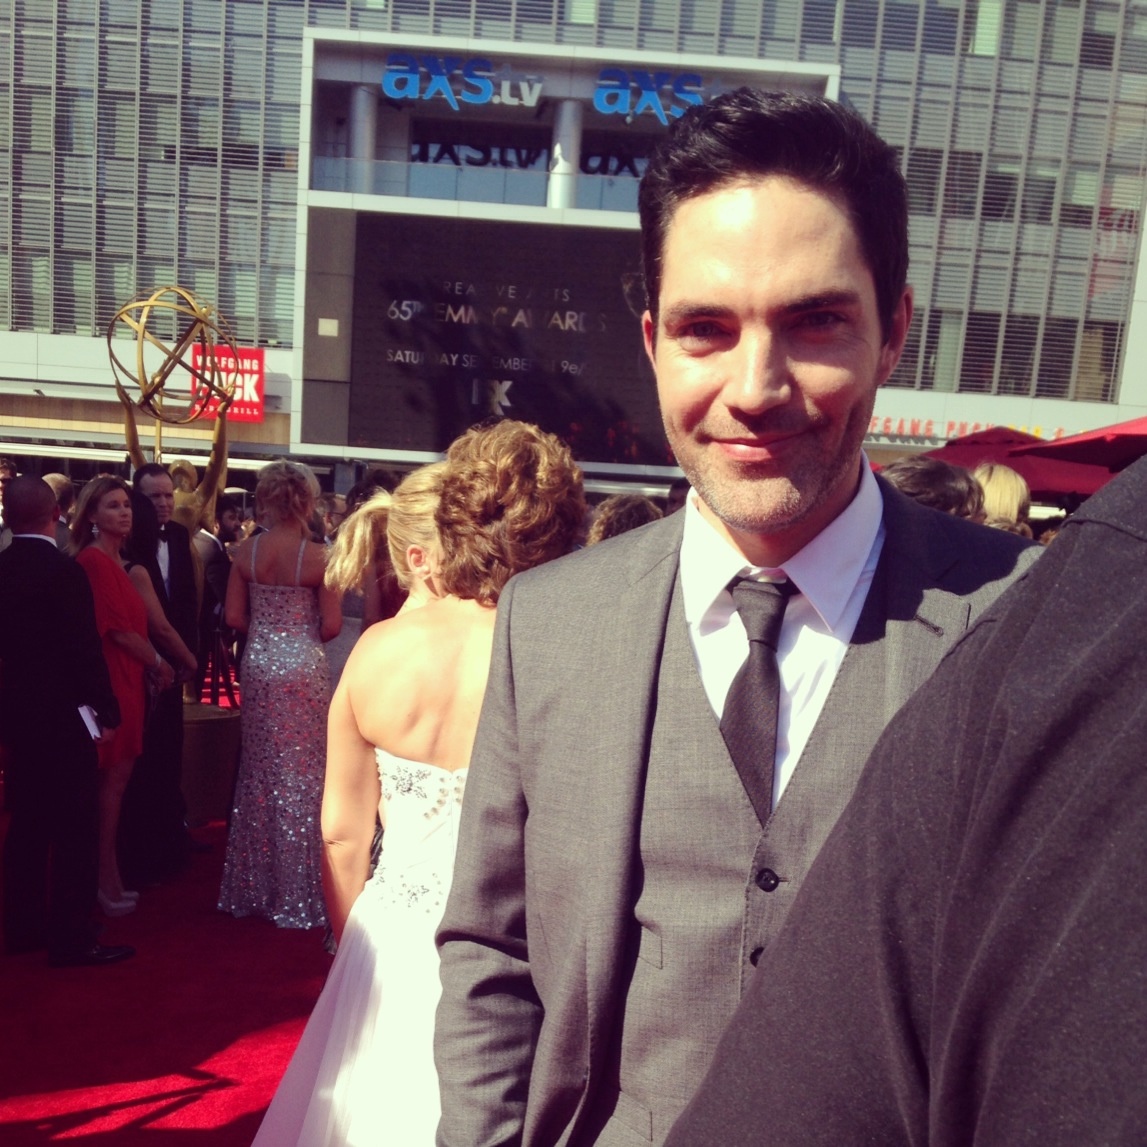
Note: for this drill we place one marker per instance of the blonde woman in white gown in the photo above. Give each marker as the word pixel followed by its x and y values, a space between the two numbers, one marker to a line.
pixel 401 728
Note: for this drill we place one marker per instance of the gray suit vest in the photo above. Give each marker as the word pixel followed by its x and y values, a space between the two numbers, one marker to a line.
pixel 713 887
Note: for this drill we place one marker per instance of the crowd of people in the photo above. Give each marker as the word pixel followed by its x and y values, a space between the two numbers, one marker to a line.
pixel 805 813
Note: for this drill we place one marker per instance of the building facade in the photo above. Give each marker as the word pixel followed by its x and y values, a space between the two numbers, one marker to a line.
pixel 344 178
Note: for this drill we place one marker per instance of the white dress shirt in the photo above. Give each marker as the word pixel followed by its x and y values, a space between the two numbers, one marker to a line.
pixel 833 573
pixel 163 558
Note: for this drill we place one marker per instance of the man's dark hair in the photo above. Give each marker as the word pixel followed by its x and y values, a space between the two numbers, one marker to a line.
pixel 225 503
pixel 936 483
pixel 748 134
pixel 8 467
pixel 149 470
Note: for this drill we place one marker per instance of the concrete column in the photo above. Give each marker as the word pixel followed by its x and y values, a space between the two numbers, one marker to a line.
pixel 363 131
pixel 565 153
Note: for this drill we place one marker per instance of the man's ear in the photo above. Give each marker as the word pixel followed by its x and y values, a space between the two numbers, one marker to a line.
pixel 894 346
pixel 649 337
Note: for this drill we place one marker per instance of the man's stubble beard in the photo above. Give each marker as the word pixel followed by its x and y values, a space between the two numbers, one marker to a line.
pixel 752 499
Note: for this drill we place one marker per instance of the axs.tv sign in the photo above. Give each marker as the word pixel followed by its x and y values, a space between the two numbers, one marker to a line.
pixel 476 81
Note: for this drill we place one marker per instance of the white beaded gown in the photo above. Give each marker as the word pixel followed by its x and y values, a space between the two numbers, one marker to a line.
pixel 363 1073
pixel 274 844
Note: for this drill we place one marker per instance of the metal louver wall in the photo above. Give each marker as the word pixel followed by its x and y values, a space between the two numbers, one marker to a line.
pixel 152 141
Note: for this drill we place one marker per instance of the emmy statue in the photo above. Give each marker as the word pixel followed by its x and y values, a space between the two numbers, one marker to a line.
pixel 198 324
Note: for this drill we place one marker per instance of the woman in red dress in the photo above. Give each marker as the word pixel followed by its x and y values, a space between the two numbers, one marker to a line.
pixel 101 526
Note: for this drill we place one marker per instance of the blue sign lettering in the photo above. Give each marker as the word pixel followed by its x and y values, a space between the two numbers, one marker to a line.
pixel 615 91
pixel 456 81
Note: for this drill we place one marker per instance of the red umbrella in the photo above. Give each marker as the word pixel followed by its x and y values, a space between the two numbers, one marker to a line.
pixel 1048 479
pixel 1111 447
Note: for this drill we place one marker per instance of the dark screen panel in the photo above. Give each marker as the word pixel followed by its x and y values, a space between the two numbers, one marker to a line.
pixel 455 320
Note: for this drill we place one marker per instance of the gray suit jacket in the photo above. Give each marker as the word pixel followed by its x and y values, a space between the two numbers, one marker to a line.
pixel 534 934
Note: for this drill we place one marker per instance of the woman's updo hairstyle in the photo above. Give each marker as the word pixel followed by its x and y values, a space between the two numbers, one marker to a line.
pixel 511 499
pixel 383 527
pixel 286 493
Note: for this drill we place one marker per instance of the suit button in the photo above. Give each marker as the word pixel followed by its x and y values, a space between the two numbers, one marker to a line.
pixel 767 880
pixel 755 956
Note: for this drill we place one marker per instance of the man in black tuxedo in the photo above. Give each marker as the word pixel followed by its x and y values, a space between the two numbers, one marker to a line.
pixel 51 664
pixel 153 838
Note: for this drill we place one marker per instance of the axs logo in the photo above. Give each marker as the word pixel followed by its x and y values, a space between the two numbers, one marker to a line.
pixel 405 76
pixel 614 94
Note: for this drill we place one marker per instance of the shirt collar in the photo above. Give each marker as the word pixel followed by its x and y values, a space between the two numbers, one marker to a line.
pixel 826 570
pixel 41 537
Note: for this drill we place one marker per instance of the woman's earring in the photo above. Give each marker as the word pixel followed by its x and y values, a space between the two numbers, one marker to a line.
pixel 95 530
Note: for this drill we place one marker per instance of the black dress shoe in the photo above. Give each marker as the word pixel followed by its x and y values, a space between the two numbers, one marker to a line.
pixel 92 956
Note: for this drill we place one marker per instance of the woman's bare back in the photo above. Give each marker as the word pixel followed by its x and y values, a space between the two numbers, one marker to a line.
pixel 416 682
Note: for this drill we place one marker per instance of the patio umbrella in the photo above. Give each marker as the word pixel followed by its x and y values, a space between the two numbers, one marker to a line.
pixel 1049 479
pixel 1111 447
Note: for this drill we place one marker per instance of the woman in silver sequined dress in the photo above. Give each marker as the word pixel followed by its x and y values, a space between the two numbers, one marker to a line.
pixel 277 597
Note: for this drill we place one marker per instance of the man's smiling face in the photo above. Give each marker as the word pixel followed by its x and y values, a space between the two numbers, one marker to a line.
pixel 768 352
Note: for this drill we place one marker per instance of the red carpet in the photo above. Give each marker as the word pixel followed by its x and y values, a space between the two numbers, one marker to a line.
pixel 182 1045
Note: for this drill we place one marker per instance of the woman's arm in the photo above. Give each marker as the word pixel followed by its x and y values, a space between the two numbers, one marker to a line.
pixel 237 607
pixel 350 798
pixel 330 613
pixel 161 631
pixel 144 652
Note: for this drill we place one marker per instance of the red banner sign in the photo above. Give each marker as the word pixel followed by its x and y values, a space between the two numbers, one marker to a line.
pixel 247 376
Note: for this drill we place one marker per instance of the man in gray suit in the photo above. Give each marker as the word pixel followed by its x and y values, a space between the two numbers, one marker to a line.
pixel 617 881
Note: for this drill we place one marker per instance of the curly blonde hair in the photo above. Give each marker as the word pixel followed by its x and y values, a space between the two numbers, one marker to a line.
pixel 511 499
pixel 87 505
pixel 384 527
pixel 286 493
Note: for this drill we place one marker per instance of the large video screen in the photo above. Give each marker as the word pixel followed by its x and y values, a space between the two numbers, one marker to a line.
pixel 458 320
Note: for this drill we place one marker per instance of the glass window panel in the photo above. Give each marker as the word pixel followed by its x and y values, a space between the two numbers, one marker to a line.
pixel 941 350
pixel 962 184
pixel 244 74
pixel 74 225
pixel 75 123
pixel 157 229
pixel 978 364
pixel 279 240
pixel 34 169
pixel 120 64
pixel 1056 355
pixel 240 237
pixel 923 178
pixel 202 74
pixel 160 62
pixel 1018 355
pixel 941 24
pixel 1038 201
pixel 900 22
pixel 858 26
pixel 819 23
pixel 982 24
pixel 32 116
pixel 1099 347
pixel 34 62
pixel 245 17
pixel 1021 29
pixel 1000 186
pixel 32 221
pixel 905 373
pixel 1061 34
pixel 77 62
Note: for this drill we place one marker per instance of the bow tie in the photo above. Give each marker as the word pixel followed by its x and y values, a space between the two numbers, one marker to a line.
pixel 163 533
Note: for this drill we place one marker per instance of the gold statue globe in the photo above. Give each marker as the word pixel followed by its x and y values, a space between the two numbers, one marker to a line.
pixel 198 323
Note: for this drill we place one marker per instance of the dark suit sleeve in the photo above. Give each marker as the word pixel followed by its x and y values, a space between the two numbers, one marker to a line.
pixel 490 1014
pixel 182 607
